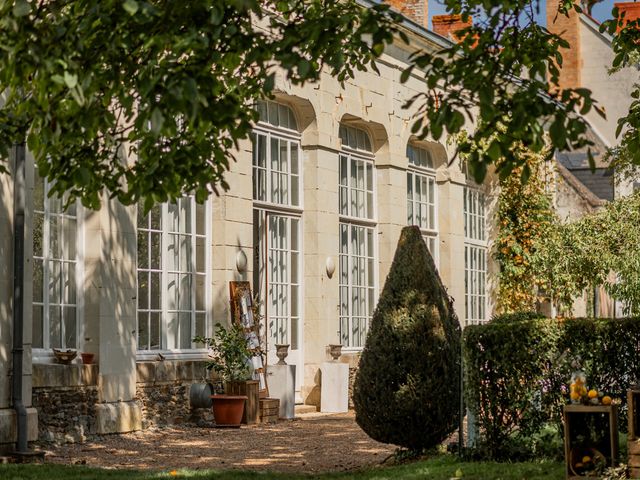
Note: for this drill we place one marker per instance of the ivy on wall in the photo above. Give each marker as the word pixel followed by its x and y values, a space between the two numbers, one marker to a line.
pixel 525 216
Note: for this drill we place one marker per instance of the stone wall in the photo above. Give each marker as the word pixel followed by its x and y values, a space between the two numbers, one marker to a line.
pixel 68 401
pixel 66 415
pixel 162 391
pixel 65 397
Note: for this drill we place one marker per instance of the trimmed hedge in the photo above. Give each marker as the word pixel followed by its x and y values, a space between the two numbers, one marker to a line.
pixel 516 373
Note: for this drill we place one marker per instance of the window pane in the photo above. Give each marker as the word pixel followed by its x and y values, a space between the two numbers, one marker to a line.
pixel 273 113
pixel 38 280
pixel 200 325
pixel 70 329
pixel 200 293
pixel 200 218
pixel 156 240
pixel 55 327
pixel 69 270
pixel 143 331
pixel 155 331
pixel 184 334
pixel 38 227
pixel 143 290
pixel 143 250
pixel 37 327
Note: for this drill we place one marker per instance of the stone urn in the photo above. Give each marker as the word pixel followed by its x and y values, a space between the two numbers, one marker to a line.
pixel 281 352
pixel 335 350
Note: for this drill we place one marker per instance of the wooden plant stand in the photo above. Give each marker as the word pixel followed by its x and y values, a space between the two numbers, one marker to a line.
pixel 633 439
pixel 576 418
pixel 249 388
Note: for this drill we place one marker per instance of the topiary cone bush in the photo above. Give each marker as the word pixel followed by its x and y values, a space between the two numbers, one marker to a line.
pixel 407 388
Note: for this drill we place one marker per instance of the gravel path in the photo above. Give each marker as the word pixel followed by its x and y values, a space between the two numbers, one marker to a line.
pixel 311 444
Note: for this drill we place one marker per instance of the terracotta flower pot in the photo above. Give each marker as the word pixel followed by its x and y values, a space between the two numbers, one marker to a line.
pixel 87 358
pixel 228 409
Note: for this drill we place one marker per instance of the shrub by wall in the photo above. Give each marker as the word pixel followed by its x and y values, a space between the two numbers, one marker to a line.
pixel 516 373
pixel 406 391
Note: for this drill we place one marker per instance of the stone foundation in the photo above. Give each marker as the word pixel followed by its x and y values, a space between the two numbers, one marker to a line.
pixel 163 390
pixel 66 414
pixel 67 405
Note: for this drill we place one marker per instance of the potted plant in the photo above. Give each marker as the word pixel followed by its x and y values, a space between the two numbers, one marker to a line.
pixel 230 360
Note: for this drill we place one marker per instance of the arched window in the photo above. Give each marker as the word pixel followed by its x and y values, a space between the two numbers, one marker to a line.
pixel 357 236
pixel 422 195
pixel 475 253
pixel 277 212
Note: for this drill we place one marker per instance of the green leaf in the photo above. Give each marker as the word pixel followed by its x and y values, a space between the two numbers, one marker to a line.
pixel 21 8
pixel 70 79
pixel 406 73
pixel 130 6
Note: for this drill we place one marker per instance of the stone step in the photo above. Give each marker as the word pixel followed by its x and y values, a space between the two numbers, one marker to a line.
pixel 304 409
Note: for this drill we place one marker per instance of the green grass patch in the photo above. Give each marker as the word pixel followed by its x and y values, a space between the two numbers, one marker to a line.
pixel 443 467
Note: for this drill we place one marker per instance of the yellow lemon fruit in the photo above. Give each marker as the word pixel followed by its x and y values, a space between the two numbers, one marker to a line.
pixel 593 393
pixel 606 400
pixel 586 459
pixel 583 391
pixel 575 396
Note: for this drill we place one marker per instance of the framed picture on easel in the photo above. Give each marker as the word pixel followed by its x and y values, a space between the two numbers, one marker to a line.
pixel 244 312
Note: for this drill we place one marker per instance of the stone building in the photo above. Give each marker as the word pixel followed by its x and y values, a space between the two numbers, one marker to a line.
pixel 330 176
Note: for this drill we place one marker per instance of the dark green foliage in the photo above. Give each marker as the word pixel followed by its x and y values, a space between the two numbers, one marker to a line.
pixel 169 84
pixel 516 317
pixel 407 388
pixel 516 374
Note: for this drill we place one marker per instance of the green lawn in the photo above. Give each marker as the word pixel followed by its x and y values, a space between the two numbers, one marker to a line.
pixel 439 468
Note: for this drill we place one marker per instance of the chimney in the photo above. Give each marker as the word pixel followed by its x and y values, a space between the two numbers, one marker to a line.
pixel 416 10
pixel 569 29
pixel 449 25
pixel 631 11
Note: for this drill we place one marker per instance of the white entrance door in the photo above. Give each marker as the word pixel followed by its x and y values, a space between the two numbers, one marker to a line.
pixel 278 269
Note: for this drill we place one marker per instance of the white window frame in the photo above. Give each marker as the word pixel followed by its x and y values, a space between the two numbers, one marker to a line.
pixel 351 219
pixel 166 337
pixel 272 133
pixel 45 351
pixel 426 173
pixel 268 208
pixel 475 255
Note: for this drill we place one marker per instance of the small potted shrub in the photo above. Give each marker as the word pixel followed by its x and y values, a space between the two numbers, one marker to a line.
pixel 230 360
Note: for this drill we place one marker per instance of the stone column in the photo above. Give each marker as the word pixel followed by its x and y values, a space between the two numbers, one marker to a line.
pixel 451 182
pixel 110 298
pixel 320 227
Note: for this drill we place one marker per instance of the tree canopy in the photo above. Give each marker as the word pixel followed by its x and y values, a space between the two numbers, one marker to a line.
pixel 504 75
pixel 89 84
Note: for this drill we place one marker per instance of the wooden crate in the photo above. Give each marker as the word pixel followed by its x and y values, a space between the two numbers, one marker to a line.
pixel 269 410
pixel 250 388
pixel 633 438
pixel 575 424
